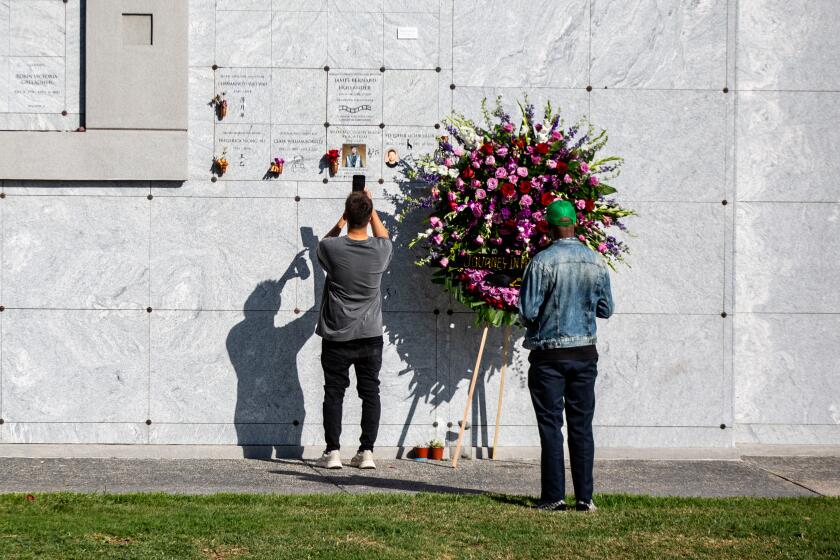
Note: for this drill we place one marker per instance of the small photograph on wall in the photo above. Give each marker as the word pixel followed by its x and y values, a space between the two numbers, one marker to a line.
pixel 353 156
pixel 392 158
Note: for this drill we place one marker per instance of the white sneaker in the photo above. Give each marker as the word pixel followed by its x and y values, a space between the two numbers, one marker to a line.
pixel 363 460
pixel 329 460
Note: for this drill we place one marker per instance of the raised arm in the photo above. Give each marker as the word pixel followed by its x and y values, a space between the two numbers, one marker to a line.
pixel 376 225
pixel 336 229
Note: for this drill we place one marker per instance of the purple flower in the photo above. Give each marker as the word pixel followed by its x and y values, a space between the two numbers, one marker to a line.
pixel 506 213
pixel 492 183
pixel 477 209
pixel 459 183
pixel 480 194
pixel 522 171
pixel 536 159
pixel 507 127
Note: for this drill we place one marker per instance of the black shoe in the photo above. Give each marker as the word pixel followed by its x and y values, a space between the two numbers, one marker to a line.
pixel 551 506
pixel 585 506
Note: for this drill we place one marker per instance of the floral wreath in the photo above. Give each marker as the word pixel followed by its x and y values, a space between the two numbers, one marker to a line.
pixel 489 190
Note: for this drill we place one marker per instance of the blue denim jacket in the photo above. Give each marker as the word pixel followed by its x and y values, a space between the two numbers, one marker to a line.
pixel 564 288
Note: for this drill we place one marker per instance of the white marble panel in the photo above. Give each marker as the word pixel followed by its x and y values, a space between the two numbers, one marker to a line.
pixel 572 105
pixel 211 253
pixel 661 370
pixel 786 434
pixel 4 29
pixel 201 123
pixel 75 366
pixel 248 92
pixel 248 150
pixel 368 142
pixel 676 259
pixel 227 189
pixel 36 84
pixel 410 143
pixel 673 142
pixel 298 96
pixel 299 39
pixel 243 38
pixel 5 83
pixel 446 33
pixel 62 252
pixel 139 189
pixel 202 34
pixel 354 97
pixel 659 44
pixel 37 28
pixel 784 45
pixel 73 60
pixel 77 432
pixel 39 121
pixel 250 5
pixel 407 99
pixel 785 258
pixel 343 7
pixel 786 369
pixel 412 6
pixel 552 49
pixel 230 434
pixel 229 367
pixel 299 5
pixel 787 146
pixel 303 147
pixel 661 436
pixel 422 52
pixel 355 40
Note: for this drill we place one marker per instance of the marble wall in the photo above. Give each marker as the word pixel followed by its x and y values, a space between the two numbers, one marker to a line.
pixel 184 314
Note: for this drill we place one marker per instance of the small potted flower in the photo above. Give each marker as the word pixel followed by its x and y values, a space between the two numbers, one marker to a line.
pixel 220 164
pixel 421 451
pixel 333 158
pixel 436 450
pixel 220 104
pixel 276 168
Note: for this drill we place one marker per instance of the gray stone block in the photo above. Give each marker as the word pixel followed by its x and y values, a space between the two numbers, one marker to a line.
pixel 84 432
pixel 243 38
pixel 355 39
pixel 785 146
pixel 36 28
pixel 571 104
pixel 298 96
pixel 659 45
pixel 60 253
pixel 298 39
pixel 74 366
pixel 403 53
pixel 780 46
pixel 553 52
pixel 202 33
pixel 407 99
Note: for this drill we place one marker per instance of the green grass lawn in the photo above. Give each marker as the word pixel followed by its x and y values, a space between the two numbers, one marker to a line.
pixel 88 526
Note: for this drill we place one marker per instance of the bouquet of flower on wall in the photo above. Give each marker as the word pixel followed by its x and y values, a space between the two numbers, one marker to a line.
pixel 489 189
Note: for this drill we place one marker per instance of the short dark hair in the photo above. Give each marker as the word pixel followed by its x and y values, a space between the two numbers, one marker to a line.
pixel 357 209
pixel 391 150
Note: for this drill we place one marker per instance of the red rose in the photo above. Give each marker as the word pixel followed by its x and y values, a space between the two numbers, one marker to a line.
pixel 547 198
pixel 487 148
pixel 542 148
pixel 520 143
pixel 590 205
pixel 453 205
pixel 467 173
pixel 508 190
pixel 524 187
pixel 562 167
pixel 542 226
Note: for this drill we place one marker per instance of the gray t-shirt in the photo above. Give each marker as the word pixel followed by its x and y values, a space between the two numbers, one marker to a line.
pixel 351 306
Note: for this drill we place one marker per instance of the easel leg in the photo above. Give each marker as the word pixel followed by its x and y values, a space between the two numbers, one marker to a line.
pixel 469 398
pixel 506 347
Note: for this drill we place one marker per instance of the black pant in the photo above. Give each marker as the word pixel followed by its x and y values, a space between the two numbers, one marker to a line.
pixel 365 355
pixel 550 383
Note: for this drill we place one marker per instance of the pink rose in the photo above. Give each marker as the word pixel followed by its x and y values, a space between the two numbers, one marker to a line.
pixel 507 127
pixel 522 171
pixel 475 183
pixel 437 239
pixel 489 160
pixel 444 262
pixel 501 151
pixel 556 135
pixel 551 164
pixel 492 183
pixel 602 247
pixel 434 221
pixel 582 238
pixel 479 240
pixel 593 180
pixel 525 201
pixel 448 162
pixel 581 204
pixel 501 173
pixel 458 151
pixel 480 194
pixel 584 167
pixel 567 179
pixel 459 183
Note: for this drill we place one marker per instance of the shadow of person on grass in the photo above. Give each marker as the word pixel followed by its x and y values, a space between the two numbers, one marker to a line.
pixel 377 483
pixel 269 398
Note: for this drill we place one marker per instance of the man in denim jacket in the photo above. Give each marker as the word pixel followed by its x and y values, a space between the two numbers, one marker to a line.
pixel 563 289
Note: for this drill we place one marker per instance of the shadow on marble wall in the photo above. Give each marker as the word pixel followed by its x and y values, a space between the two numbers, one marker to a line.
pixel 264 356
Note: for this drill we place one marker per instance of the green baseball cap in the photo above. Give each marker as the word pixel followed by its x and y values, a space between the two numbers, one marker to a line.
pixel 561 213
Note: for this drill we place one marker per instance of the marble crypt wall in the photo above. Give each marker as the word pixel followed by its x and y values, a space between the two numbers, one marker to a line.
pixel 161 313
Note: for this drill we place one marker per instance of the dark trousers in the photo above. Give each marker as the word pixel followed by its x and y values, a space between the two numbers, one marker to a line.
pixel 551 384
pixel 365 355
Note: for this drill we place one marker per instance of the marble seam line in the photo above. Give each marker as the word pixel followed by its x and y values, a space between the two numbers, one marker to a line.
pixel 773 473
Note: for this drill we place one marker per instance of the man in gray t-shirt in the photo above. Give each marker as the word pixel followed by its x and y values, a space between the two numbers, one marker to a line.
pixel 350 323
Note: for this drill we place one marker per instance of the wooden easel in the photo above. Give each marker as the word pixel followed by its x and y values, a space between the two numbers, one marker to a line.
pixel 505 350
